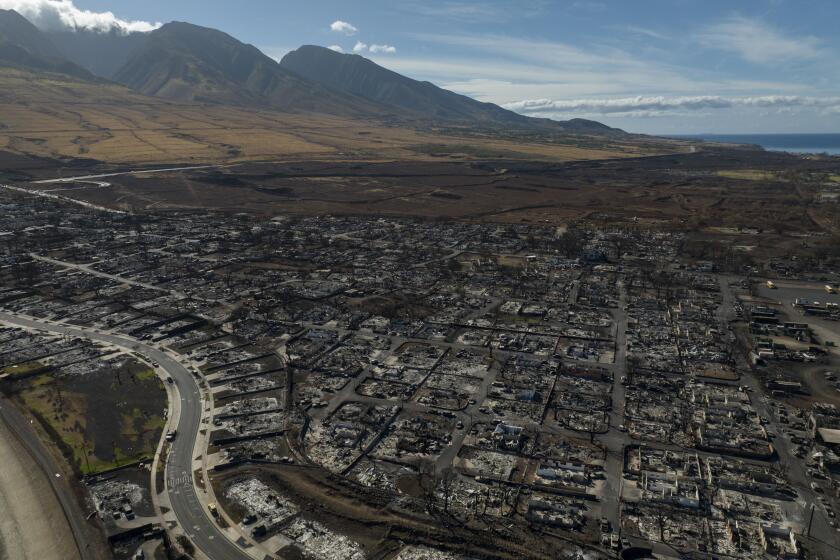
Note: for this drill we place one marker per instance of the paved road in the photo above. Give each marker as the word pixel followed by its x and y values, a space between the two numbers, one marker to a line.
pixel 88 270
pixel 118 173
pixel 61 198
pixel 614 440
pixel 185 502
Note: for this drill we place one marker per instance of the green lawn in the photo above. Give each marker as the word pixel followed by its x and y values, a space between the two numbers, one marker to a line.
pixel 21 369
pixel 146 374
pixel 100 425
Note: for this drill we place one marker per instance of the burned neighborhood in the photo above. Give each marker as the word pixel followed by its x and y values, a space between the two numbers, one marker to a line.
pixel 401 388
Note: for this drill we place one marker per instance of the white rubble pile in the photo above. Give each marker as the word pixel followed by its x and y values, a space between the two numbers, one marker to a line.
pixel 426 553
pixel 110 496
pixel 258 499
pixel 318 541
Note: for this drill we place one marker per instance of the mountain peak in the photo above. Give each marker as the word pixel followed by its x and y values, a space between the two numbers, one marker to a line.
pixel 357 75
pixel 16 29
pixel 421 100
pixel 182 61
pixel 187 62
pixel 22 45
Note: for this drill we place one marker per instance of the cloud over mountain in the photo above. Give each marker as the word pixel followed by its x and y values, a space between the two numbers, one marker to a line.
pixel 362 47
pixel 56 15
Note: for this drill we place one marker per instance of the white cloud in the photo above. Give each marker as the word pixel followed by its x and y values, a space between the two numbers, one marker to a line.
pixel 757 42
pixel 63 14
pixel 361 47
pixel 660 105
pixel 503 69
pixel 336 48
pixel 386 49
pixel 343 27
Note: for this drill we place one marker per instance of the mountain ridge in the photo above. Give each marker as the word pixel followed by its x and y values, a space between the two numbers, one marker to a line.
pixel 358 75
pixel 22 45
pixel 184 62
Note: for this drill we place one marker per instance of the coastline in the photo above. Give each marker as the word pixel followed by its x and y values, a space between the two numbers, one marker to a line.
pixel 33 525
pixel 803 144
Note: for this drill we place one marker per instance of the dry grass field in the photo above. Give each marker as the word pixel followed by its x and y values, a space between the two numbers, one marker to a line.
pixel 685 192
pixel 58 117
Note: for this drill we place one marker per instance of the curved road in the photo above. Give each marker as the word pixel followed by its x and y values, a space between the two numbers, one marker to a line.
pixel 186 504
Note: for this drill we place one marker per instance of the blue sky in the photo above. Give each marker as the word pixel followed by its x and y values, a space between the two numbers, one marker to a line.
pixel 654 66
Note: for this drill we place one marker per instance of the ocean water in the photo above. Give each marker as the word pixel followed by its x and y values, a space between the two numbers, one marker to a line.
pixel 796 143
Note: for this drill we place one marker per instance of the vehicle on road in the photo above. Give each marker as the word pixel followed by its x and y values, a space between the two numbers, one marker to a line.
pixel 605 525
pixel 258 531
pixel 171 434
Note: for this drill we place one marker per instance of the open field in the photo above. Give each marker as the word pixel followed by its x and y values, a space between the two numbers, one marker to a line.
pixel 58 117
pixel 698 192
pixel 102 419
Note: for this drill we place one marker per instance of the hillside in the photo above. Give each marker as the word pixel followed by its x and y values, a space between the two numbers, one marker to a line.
pixel 188 63
pixel 59 116
pixel 357 75
pixel 193 94
pixel 23 46
pixel 185 62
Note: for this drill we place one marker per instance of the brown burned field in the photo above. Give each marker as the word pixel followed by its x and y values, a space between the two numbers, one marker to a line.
pixel 54 116
pixel 102 419
pixel 713 191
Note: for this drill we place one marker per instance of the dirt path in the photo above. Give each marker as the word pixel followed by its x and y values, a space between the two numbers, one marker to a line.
pixel 32 525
